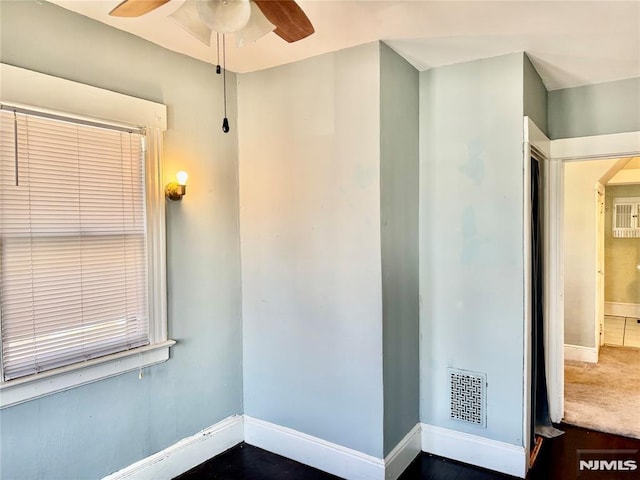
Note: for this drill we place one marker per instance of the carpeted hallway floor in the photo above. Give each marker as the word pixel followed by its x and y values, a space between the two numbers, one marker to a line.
pixel 605 396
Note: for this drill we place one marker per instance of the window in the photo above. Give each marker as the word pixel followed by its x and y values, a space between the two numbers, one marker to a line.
pixel 73 243
pixel 82 288
pixel 626 222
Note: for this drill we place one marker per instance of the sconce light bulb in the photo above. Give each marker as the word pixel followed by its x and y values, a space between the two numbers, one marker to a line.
pixel 182 177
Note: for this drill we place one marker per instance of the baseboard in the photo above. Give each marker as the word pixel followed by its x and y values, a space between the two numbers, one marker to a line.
pixel 475 450
pixel 620 309
pixel 185 454
pixel 578 353
pixel 329 457
pixel 316 452
pixel 403 454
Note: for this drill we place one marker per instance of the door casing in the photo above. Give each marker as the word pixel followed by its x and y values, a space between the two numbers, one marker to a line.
pixel 554 153
pixel 618 145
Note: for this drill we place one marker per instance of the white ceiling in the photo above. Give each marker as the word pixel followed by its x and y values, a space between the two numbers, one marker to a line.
pixel 571 43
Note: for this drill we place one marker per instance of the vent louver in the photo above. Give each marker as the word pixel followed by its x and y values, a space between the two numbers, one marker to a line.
pixel 468 397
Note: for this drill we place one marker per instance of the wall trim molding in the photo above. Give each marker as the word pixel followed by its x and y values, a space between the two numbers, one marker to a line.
pixel 578 353
pixel 597 146
pixel 327 456
pixel 316 452
pixel 26 88
pixel 403 453
pixel 475 450
pixel 186 453
pixel 620 309
pixel 20 390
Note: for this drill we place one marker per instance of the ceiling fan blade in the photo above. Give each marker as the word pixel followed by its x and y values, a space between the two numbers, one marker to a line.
pixel 136 8
pixel 291 22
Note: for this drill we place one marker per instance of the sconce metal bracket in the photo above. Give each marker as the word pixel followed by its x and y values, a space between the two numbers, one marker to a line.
pixel 175 191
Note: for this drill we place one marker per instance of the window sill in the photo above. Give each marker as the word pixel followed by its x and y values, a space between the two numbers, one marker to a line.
pixel 22 390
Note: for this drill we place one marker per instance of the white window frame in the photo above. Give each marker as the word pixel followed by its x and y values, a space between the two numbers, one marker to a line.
pixel 626 232
pixel 36 91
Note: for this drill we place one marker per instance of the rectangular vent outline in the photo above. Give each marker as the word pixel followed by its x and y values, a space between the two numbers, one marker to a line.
pixel 468 397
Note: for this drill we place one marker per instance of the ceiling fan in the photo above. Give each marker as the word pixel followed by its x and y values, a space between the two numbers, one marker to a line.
pixel 247 19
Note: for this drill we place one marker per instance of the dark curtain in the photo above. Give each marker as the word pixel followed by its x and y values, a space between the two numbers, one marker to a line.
pixel 541 419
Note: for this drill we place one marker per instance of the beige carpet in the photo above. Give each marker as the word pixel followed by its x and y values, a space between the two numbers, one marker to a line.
pixel 605 396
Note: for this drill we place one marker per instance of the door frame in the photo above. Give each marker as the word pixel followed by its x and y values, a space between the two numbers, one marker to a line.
pixel 536 144
pixel 599 309
pixel 618 145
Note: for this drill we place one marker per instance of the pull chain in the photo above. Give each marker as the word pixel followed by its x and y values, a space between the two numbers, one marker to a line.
pixel 218 50
pixel 225 121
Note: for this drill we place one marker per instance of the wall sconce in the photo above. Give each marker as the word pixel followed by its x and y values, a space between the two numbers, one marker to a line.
pixel 177 190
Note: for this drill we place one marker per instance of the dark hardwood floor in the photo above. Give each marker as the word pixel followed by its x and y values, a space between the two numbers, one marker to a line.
pixel 558 460
pixel 246 462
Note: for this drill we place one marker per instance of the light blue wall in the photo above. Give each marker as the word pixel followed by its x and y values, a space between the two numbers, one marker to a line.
pixel 310 239
pixel 399 221
pixel 471 240
pixel 600 109
pixel 328 194
pixel 535 96
pixel 96 429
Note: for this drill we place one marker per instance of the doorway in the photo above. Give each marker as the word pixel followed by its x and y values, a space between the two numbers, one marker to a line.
pixel 601 376
pixel 622 145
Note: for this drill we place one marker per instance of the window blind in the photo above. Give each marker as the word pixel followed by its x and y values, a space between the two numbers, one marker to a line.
pixel 626 218
pixel 73 259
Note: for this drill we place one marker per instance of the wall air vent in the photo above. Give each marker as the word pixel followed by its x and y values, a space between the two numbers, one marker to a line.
pixel 468 397
pixel 626 217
